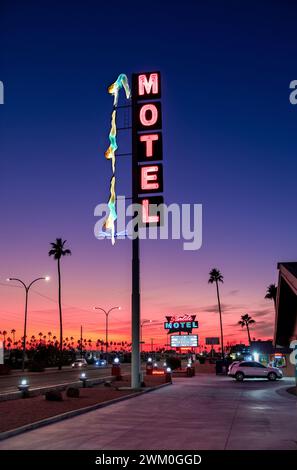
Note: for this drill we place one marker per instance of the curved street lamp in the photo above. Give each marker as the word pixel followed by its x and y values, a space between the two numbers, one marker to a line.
pixel 141 325
pixel 106 326
pixel 27 288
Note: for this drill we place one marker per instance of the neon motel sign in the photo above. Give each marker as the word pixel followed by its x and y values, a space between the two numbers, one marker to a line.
pixel 181 323
pixel 147 132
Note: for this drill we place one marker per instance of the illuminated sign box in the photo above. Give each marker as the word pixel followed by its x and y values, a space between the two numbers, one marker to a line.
pixel 149 116
pixel 150 178
pixel 182 341
pixel 147 86
pixel 152 211
pixel 150 147
pixel 180 323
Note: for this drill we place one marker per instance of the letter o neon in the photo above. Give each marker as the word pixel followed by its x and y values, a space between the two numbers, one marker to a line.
pixel 144 119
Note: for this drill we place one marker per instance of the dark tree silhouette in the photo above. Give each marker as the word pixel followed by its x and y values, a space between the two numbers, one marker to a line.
pixel 215 276
pixel 4 333
pixel 13 331
pixel 271 293
pixel 246 321
pixel 58 250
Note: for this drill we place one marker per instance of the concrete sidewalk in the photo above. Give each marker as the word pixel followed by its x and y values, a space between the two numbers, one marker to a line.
pixel 203 412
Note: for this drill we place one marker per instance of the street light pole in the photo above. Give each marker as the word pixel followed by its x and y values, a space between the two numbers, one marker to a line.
pixel 106 336
pixel 27 288
pixel 106 326
pixel 141 325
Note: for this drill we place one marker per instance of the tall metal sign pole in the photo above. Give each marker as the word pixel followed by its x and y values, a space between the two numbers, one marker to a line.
pixel 147 179
pixel 136 362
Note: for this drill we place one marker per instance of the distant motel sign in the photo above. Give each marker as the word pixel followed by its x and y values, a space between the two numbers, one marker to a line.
pixel 146 129
pixel 183 323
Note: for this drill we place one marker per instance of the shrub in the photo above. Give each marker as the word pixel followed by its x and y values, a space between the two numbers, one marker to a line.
pixel 72 392
pixel 173 362
pixel 54 395
pixel 4 369
pixel 201 359
pixel 36 366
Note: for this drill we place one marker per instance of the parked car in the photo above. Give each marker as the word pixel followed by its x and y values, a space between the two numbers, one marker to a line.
pixel 232 365
pixel 251 369
pixel 79 363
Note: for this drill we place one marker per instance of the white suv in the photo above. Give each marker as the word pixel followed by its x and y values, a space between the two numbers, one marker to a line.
pixel 252 369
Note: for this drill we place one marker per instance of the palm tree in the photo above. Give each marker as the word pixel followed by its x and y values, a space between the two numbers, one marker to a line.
pixel 271 293
pixel 246 321
pixel 215 276
pixel 57 251
pixel 13 331
pixel 49 336
pixel 4 333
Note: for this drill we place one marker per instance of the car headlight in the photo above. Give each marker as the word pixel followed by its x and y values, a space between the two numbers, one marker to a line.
pixel 72 365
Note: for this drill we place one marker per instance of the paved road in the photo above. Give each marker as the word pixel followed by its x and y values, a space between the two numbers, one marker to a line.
pixel 204 412
pixel 53 377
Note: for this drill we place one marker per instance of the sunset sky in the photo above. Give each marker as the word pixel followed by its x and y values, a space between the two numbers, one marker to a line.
pixel 229 135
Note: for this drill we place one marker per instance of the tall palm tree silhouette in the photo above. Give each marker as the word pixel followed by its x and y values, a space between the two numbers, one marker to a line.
pixel 13 331
pixel 4 333
pixel 271 293
pixel 57 251
pixel 215 276
pixel 246 321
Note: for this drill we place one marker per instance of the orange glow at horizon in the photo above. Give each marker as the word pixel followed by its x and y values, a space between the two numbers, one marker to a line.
pixel 173 282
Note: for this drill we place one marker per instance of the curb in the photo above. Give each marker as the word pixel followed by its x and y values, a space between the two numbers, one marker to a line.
pixel 70 414
pixel 34 392
pixel 284 392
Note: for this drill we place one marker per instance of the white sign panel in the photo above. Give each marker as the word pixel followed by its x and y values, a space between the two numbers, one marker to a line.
pixel 184 341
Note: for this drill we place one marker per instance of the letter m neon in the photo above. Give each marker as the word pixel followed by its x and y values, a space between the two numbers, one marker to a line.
pixel 147 86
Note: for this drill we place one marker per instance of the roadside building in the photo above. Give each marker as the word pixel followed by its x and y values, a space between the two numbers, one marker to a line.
pixel 240 351
pixel 277 356
pixel 286 305
pixel 285 330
